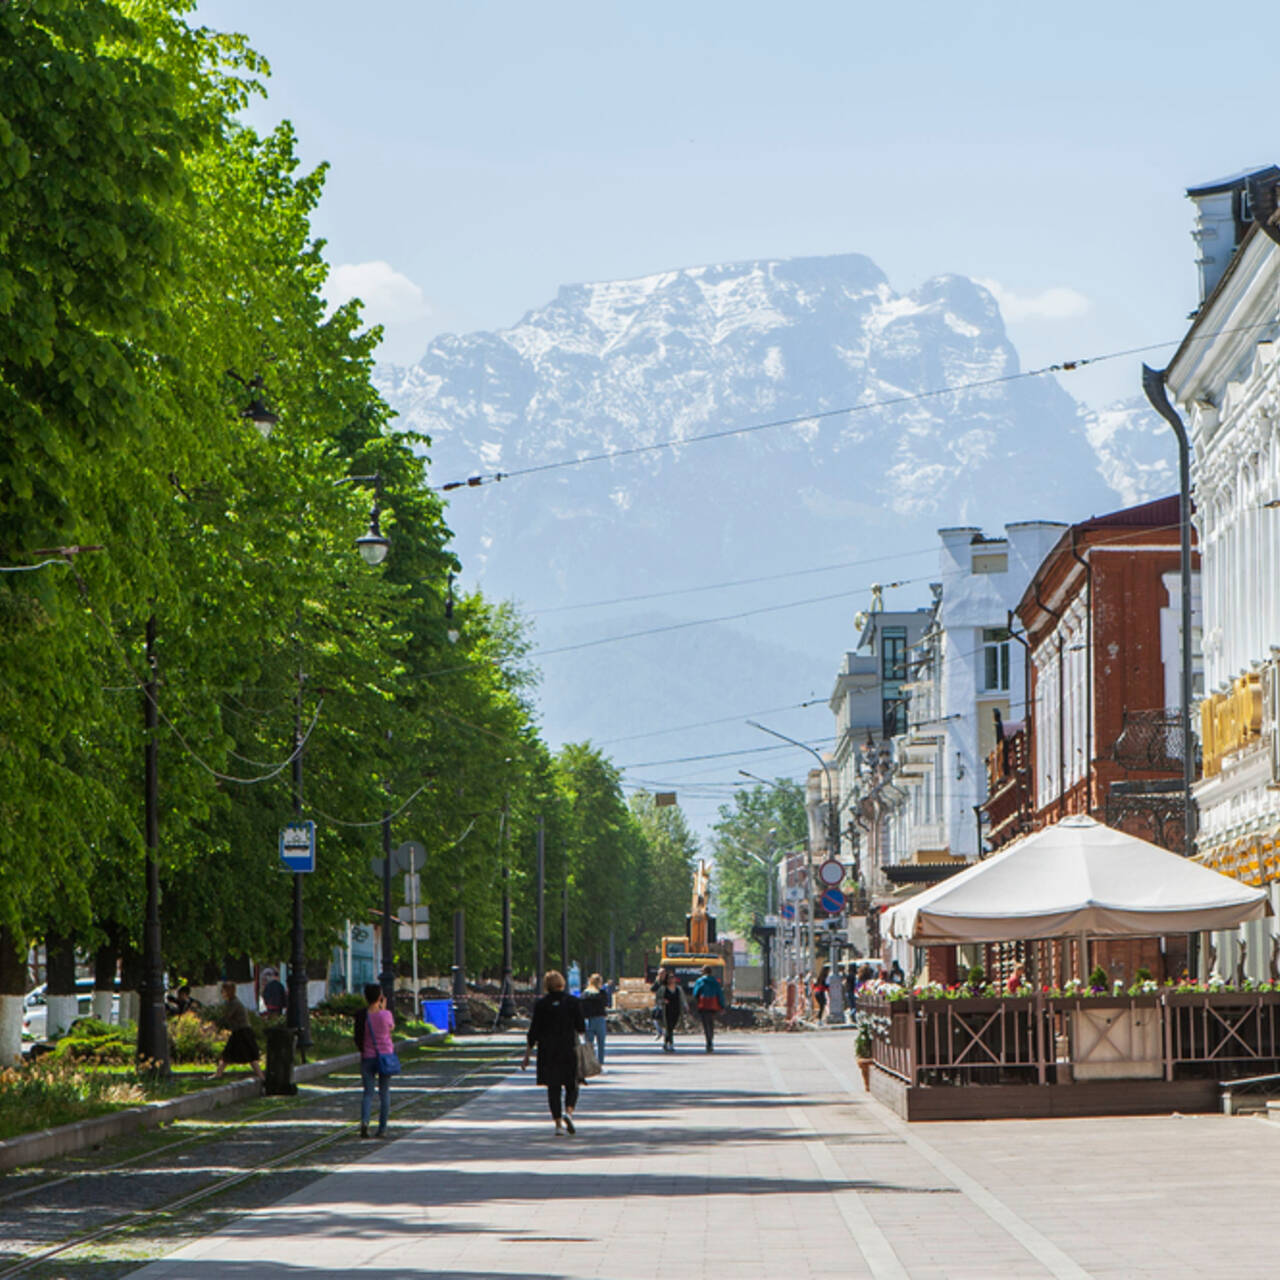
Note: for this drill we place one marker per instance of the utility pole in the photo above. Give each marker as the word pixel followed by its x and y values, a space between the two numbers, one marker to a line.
pixel 564 921
pixel 540 950
pixel 507 1004
pixel 298 1022
pixel 461 1006
pixel 153 1033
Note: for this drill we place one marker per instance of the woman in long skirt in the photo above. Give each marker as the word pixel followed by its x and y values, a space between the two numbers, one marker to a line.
pixel 242 1044
pixel 553 1031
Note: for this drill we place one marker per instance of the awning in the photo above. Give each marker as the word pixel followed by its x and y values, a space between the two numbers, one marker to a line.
pixel 1076 877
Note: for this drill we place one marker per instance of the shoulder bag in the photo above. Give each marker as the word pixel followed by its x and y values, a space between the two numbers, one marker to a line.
pixel 388 1064
pixel 588 1063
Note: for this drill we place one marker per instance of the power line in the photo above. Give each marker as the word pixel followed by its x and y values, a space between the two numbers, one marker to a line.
pixel 674 442
pixel 734 582
pixel 704 724
pixel 727 617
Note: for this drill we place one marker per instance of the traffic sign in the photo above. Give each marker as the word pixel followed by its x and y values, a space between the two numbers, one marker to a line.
pixel 410 856
pixel 415 933
pixel 413 915
pixel 795 892
pixel 413 887
pixel 377 866
pixel 832 901
pixel 770 922
pixel 788 910
pixel 831 872
pixel 298 846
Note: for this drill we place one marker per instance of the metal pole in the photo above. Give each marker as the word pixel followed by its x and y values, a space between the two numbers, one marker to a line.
pixel 387 978
pixel 540 950
pixel 564 922
pixel 153 1034
pixel 413 925
pixel 507 1004
pixel 297 1019
pixel 461 1009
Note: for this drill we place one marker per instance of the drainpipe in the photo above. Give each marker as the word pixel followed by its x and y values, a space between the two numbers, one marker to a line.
pixel 1027 718
pixel 1088 670
pixel 1153 385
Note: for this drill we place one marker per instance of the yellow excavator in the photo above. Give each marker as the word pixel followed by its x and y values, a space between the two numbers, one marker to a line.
pixel 688 955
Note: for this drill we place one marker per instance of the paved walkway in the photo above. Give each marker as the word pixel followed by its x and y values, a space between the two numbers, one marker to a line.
pixel 765 1159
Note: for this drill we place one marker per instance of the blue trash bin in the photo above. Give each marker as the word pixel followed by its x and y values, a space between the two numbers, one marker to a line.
pixel 439 1013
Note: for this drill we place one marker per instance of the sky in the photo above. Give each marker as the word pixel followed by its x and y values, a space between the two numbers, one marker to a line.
pixel 483 154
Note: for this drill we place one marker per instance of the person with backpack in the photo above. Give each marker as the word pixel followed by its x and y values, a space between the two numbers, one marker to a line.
pixel 708 997
pixel 378 1061
pixel 595 1009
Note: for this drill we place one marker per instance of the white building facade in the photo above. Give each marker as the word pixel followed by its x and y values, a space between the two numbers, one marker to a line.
pixel 1225 381
pixel 968 681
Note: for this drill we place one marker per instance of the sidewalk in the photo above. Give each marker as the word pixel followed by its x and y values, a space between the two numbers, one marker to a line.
pixel 764 1159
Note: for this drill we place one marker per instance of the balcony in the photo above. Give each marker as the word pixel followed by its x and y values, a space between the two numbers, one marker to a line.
pixel 1151 741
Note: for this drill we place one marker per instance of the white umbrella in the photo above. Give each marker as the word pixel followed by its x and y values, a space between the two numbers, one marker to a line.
pixel 1076 877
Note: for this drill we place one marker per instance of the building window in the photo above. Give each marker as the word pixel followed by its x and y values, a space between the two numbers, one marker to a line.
pixel 995 660
pixel 894 712
pixel 893 653
pixel 991 562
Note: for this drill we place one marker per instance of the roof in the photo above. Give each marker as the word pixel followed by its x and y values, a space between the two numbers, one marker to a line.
pixel 1157 513
pixel 1234 180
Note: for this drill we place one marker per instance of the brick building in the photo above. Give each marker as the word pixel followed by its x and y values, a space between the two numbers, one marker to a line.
pixel 1101 619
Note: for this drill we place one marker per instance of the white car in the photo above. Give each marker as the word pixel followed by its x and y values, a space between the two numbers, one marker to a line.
pixel 35 1010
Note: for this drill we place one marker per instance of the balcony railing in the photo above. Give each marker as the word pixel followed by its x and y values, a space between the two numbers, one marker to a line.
pixel 1151 741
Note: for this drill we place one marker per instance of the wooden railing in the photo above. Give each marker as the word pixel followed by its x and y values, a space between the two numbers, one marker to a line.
pixel 1045 1039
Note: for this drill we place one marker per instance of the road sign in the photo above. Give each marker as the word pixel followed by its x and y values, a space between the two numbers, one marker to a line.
pixel 409 856
pixel 413 888
pixel 832 901
pixel 795 892
pixel 413 915
pixel 298 846
pixel 664 799
pixel 831 873
pixel 376 865
pixel 788 910
pixel 415 933
pixel 770 922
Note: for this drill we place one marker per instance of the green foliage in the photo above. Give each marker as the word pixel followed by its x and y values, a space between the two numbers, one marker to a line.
pixel 1143 974
pixel 976 977
pixel 48 1093
pixel 752 834
pixel 344 1005
pixel 1098 978
pixel 90 1040
pixel 192 1039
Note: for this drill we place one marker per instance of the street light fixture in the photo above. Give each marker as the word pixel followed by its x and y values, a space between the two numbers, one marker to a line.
pixel 257 413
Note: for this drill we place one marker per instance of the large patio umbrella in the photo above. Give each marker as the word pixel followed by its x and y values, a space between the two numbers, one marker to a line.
pixel 1076 877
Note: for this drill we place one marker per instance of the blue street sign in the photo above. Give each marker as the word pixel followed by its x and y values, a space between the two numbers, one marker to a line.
pixel 832 901
pixel 788 910
pixel 298 846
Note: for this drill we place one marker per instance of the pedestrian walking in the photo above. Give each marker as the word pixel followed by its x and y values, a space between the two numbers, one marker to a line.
pixel 659 986
pixel 821 989
pixel 708 996
pixel 242 1045
pixel 673 1005
pixel 274 996
pixel 554 1030
pixel 595 1006
pixel 372 1033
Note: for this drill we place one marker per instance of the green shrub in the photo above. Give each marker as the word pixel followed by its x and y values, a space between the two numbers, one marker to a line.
pixel 1143 975
pixel 91 1040
pixel 977 976
pixel 1098 978
pixel 192 1039
pixel 343 1005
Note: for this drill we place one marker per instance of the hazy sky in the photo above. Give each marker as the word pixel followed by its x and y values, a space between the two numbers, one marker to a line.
pixel 484 154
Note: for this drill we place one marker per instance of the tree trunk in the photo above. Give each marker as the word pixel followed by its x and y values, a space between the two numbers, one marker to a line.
pixel 13 986
pixel 62 1005
pixel 105 963
pixel 130 983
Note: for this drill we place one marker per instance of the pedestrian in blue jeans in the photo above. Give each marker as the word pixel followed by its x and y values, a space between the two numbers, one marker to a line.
pixel 595 1004
pixel 372 1031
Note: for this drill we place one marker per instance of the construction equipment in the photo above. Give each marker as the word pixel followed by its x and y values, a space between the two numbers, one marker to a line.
pixel 697 948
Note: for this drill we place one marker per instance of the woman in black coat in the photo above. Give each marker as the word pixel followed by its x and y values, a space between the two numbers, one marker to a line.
pixel 557 1023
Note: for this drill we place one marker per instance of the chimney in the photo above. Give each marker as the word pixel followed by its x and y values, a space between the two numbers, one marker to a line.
pixel 1224 214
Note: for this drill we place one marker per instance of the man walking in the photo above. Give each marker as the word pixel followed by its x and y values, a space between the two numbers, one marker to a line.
pixel 708 995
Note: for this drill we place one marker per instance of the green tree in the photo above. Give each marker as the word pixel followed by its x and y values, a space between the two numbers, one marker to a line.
pixel 760 822
pixel 670 857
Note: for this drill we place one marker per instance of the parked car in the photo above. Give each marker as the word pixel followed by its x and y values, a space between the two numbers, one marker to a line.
pixel 35 1009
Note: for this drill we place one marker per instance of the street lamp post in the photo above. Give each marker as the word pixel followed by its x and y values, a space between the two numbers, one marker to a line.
pixel 507 1003
pixel 833 826
pixel 153 1034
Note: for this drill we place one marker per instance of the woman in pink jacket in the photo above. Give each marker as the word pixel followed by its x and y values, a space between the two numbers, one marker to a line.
pixel 373 1030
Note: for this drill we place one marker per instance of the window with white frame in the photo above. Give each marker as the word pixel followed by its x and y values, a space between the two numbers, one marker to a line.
pixel 995 660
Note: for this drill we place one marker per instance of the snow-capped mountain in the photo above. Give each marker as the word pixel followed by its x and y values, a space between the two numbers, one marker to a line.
pixel 633 363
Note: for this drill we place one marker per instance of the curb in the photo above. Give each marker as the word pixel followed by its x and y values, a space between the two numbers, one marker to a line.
pixel 46 1144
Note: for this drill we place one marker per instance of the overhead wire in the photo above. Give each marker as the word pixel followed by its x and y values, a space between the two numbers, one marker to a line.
pixel 888 402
